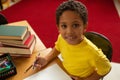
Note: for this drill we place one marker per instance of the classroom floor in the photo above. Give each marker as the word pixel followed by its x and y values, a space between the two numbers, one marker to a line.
pixel 116 2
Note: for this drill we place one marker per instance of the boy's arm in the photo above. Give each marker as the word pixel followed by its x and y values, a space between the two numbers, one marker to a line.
pixel 103 67
pixel 43 61
pixel 52 55
pixel 95 76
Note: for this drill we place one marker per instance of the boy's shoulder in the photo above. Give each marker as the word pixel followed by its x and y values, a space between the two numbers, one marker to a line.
pixel 90 44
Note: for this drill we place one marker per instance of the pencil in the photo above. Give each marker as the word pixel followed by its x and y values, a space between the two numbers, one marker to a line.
pixel 28 68
pixel 35 62
pixel 33 65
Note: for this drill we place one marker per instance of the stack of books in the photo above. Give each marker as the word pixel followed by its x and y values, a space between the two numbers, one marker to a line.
pixel 16 40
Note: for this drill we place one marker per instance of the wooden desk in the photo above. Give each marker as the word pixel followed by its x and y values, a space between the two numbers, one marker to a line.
pixel 23 63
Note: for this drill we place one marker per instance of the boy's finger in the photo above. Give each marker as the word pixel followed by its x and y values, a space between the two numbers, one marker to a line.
pixel 38 66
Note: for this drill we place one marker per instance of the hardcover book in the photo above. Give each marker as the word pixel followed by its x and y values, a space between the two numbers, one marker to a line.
pixel 26 44
pixel 12 32
pixel 15 50
pixel 15 42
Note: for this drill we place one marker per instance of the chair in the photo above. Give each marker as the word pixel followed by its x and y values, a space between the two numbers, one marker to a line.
pixel 3 19
pixel 102 42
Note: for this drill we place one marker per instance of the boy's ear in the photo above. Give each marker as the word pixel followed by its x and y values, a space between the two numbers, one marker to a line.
pixel 58 28
pixel 85 27
pixel 84 30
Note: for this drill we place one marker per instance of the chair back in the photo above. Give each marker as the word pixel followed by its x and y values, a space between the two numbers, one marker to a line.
pixel 102 42
pixel 3 19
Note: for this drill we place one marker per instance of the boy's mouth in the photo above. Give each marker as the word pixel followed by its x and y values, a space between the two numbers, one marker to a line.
pixel 71 38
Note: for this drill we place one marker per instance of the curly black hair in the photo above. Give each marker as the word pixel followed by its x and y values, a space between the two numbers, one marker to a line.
pixel 72 5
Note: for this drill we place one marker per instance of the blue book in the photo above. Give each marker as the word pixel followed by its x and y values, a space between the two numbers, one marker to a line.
pixel 12 32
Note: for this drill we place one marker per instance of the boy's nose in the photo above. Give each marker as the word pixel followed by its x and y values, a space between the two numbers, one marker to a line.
pixel 69 30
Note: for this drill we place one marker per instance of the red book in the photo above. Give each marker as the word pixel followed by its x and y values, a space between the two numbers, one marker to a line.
pixel 29 41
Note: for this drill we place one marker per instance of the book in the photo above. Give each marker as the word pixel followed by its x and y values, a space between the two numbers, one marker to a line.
pixel 12 41
pixel 15 50
pixel 12 32
pixel 29 40
pixel 43 52
pixel 26 44
pixel 21 55
pixel 53 72
pixel 7 67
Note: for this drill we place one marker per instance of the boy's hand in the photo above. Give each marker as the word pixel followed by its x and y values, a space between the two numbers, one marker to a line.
pixel 40 62
pixel 76 78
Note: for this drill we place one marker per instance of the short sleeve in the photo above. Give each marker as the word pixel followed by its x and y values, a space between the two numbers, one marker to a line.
pixel 57 43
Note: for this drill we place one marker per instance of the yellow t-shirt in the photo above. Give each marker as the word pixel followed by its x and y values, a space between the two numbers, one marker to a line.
pixel 82 59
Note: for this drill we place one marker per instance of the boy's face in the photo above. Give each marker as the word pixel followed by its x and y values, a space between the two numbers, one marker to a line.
pixel 71 27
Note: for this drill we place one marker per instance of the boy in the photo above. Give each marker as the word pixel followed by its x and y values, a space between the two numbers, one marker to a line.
pixel 81 58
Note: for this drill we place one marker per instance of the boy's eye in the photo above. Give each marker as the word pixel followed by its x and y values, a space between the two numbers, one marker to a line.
pixel 75 25
pixel 63 26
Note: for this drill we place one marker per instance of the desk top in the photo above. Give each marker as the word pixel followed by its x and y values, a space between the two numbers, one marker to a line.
pixel 23 63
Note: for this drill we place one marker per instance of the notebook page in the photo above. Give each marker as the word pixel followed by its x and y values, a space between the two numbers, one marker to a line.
pixel 53 72
pixel 114 74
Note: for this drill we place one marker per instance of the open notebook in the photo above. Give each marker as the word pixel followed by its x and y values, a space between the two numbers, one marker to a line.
pixel 114 73
pixel 53 72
